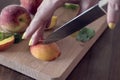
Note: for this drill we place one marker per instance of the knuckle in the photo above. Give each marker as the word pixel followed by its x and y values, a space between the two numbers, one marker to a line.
pixel 115 6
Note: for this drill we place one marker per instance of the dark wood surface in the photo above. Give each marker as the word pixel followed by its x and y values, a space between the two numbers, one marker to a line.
pixel 102 61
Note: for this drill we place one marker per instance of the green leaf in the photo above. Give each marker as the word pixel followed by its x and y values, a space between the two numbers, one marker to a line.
pixel 18 38
pixel 4 35
pixel 85 34
pixel 70 6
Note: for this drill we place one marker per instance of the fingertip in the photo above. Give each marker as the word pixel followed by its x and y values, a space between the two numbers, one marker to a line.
pixel 34 40
pixel 111 25
pixel 30 42
pixel 24 36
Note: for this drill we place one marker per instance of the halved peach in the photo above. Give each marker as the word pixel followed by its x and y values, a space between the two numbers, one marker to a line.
pixel 53 22
pixel 6 43
pixel 45 52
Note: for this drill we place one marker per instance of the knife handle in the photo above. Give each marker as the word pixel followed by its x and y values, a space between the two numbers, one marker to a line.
pixel 103 5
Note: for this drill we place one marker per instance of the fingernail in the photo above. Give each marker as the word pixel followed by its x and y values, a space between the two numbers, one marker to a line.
pixel 112 25
pixel 30 42
pixel 23 37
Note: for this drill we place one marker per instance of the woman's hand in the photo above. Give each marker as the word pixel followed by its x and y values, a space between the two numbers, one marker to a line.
pixel 47 8
pixel 41 19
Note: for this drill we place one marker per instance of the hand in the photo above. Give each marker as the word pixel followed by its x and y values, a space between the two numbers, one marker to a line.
pixel 113 13
pixel 41 19
pixel 47 8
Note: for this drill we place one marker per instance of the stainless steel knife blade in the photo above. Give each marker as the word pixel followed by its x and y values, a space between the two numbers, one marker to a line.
pixel 78 22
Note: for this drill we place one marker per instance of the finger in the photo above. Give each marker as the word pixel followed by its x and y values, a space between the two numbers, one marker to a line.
pixel 85 4
pixel 36 23
pixel 37 36
pixel 113 14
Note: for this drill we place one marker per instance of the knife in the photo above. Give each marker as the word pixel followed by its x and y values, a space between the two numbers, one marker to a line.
pixel 78 22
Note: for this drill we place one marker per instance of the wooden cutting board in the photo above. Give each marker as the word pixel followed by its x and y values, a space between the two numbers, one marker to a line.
pixel 18 57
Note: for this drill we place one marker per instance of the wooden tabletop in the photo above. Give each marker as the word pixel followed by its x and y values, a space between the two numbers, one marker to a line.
pixel 102 61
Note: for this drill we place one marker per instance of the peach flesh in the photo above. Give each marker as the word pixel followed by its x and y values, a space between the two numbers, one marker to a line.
pixel 6 43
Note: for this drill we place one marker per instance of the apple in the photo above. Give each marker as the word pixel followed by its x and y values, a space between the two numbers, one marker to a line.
pixel 6 43
pixel 31 5
pixel 14 18
pixel 45 52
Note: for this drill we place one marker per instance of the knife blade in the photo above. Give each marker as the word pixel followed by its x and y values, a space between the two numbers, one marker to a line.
pixel 78 22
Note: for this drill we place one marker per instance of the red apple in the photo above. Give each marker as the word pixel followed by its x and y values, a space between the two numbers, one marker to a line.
pixel 14 18
pixel 31 5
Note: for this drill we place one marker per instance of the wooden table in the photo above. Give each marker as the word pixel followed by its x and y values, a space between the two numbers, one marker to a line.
pixel 102 61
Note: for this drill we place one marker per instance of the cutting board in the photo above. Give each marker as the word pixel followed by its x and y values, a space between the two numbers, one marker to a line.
pixel 19 58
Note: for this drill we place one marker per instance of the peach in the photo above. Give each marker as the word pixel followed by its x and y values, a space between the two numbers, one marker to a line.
pixel 53 23
pixel 45 52
pixel 31 5
pixel 6 43
pixel 14 18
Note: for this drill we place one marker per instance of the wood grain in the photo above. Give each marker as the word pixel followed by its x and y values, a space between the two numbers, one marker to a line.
pixel 92 66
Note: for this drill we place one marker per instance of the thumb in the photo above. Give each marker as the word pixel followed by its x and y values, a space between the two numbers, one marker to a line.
pixel 85 4
pixel 113 14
